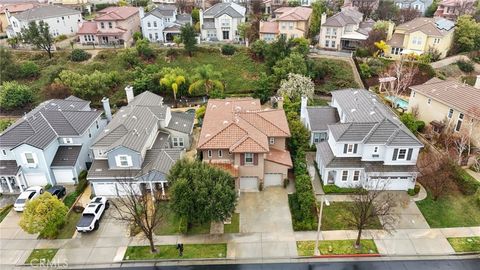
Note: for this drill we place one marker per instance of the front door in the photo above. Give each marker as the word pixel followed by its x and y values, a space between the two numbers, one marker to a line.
pixel 226 35
pixel 105 39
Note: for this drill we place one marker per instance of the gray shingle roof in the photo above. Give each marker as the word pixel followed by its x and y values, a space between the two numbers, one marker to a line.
pixel 163 11
pixel 369 166
pixel 219 9
pixel 46 11
pixel 66 156
pixel 347 16
pixel 8 167
pixel 184 19
pixel 321 117
pixel 351 132
pixel 324 152
pixel 182 122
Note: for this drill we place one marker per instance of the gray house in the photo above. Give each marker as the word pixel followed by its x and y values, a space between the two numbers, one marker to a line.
pixel 420 5
pixel 49 145
pixel 139 146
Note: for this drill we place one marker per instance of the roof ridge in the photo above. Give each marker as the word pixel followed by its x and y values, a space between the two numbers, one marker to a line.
pixel 374 128
pixel 220 131
pixel 66 119
pixel 235 145
pixel 392 136
pixel 44 118
pixel 270 123
pixel 249 137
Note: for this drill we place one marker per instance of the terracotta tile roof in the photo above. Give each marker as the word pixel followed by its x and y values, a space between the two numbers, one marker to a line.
pixel 269 27
pixel 88 28
pixel 230 168
pixel 116 13
pixel 280 157
pixel 293 13
pixel 462 97
pixel 13 8
pixel 91 28
pixel 240 125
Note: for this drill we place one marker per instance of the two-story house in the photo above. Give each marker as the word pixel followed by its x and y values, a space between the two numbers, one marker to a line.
pixel 452 9
pixel 113 25
pixel 345 30
pixel 291 22
pixel 220 22
pixel 420 5
pixel 163 23
pixel 61 20
pixel 419 36
pixel 49 145
pixel 7 10
pixel 448 104
pixel 369 147
pixel 237 135
pixel 139 146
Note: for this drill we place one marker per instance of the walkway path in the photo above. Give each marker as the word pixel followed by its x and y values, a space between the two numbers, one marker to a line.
pixel 453 59
pixel 316 183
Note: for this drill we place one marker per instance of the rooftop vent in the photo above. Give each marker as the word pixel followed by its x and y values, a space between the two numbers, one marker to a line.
pixel 207 135
pixel 134 117
pixel 372 113
pixel 214 106
pixel 225 122
pixel 355 92
pixel 353 110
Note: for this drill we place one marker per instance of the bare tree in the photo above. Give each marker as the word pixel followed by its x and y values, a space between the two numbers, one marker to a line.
pixel 461 141
pixel 407 14
pixel 365 6
pixel 140 208
pixel 435 172
pixel 404 70
pixel 367 206
pixel 473 124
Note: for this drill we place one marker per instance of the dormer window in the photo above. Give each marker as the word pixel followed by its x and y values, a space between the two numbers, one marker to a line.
pixel 272 140
pixel 350 148
pixel 124 161
pixel 67 140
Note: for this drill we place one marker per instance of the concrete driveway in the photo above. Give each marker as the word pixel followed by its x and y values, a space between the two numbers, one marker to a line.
pixel 407 212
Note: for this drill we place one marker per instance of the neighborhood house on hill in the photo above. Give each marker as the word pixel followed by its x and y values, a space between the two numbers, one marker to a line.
pixel 163 23
pixel 113 25
pixel 8 10
pixel 420 5
pixel 250 143
pixel 448 104
pixel 451 9
pixel 344 30
pixel 369 147
pixel 139 145
pixel 419 36
pixel 291 22
pixel 220 22
pixel 61 20
pixel 49 145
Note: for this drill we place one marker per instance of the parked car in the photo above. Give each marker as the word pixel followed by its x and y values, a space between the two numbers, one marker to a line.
pixel 27 195
pixel 58 191
pixel 91 214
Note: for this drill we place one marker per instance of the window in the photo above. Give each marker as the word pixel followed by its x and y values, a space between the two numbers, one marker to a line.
pixel 290 25
pixel 209 153
pixel 220 153
pixel 319 137
pixel 344 175
pixel 396 51
pixel 327 43
pixel 356 175
pixel 283 25
pixel 123 161
pixel 436 41
pixel 4 152
pixel 402 154
pixel 459 122
pixel 248 158
pixel 67 140
pixel 178 142
pixel 156 36
pixel 102 25
pixel 150 36
pixel 272 140
pixel 429 101
pixel 417 41
pixel 450 113
pixel 350 148
pixel 110 25
pixel 154 24
pixel 29 158
pixel 333 43
pixel 329 31
pixel 413 93
pixel 96 123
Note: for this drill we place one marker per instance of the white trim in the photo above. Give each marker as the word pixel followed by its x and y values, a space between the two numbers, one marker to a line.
pixel 249 156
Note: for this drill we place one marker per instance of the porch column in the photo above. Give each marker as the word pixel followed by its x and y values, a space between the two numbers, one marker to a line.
pixel 163 188
pixel 151 190
pixel 18 183
pixel 9 185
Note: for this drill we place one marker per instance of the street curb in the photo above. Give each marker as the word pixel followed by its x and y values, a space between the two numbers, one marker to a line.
pixel 175 260
pixel 348 256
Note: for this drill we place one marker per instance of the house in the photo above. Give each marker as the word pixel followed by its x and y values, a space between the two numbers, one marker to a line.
pixel 421 35
pixel 163 23
pixel 139 146
pixel 49 145
pixel 420 5
pixel 81 5
pixel 345 30
pixel 8 10
pixel 369 147
pixel 220 22
pixel 250 143
pixel 113 25
pixel 370 5
pixel 271 5
pixel 451 9
pixel 61 20
pixel 291 22
pixel 316 119
pixel 448 104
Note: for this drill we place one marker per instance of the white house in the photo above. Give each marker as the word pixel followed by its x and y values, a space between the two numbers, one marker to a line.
pixel 369 147
pixel 163 23
pixel 220 22
pixel 61 20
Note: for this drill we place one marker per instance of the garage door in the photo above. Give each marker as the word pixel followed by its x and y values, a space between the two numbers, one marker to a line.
pixel 249 184
pixel 36 179
pixel 104 189
pixel 64 176
pixel 391 183
pixel 273 179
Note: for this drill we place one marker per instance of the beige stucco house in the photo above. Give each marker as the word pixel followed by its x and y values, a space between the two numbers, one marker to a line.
pixel 448 104
pixel 250 143
pixel 419 36
pixel 291 22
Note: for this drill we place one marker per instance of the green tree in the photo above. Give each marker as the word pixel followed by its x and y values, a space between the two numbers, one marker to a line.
pixel 13 42
pixel 143 49
pixel 91 86
pixel 243 29
pixel 201 193
pixel 299 45
pixel 38 35
pixel 44 215
pixel 300 136
pixel 431 9
pixel 178 40
pixel 467 34
pixel 187 32
pixel 137 36
pixel 5 123
pixel 147 79
pixel 276 51
pixel 172 79
pixel 263 88
pixel 411 123
pixel 296 86
pixel 195 15
pixel 28 69
pixel 205 80
pixel 8 68
pixel 294 63
pixel 318 7
pixel 14 95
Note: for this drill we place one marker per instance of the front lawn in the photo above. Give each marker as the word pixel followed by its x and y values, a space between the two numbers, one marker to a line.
pixel 190 251
pixel 69 228
pixel 337 74
pixel 170 224
pixel 333 217
pixel 4 211
pixel 233 227
pixel 455 210
pixel 336 247
pixel 41 256
pixel 465 244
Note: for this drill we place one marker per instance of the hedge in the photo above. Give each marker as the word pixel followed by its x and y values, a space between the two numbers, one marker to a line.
pixel 465 182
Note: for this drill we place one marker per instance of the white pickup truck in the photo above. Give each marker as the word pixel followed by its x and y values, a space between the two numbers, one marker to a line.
pixel 91 214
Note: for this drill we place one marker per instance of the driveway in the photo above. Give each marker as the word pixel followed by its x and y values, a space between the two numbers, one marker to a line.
pixel 407 212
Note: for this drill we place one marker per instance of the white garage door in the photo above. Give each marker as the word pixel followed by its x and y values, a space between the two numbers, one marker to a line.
pixel 104 189
pixel 36 179
pixel 273 179
pixel 391 183
pixel 249 184
pixel 64 176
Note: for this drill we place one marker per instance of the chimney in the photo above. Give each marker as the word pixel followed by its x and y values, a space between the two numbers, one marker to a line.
pixel 106 108
pixel 477 82
pixel 323 18
pixel 391 26
pixel 303 108
pixel 129 92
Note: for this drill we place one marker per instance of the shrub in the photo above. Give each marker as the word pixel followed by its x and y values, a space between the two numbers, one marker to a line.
pixel 465 66
pixel 60 38
pixel 79 55
pixel 411 123
pixel 362 52
pixel 228 49
pixel 28 69
pixel 82 182
pixel 365 70
pixel 14 95
pixel 5 123
pixel 414 191
pixel 70 199
pixel 333 189
pixel 477 197
pixel 465 182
